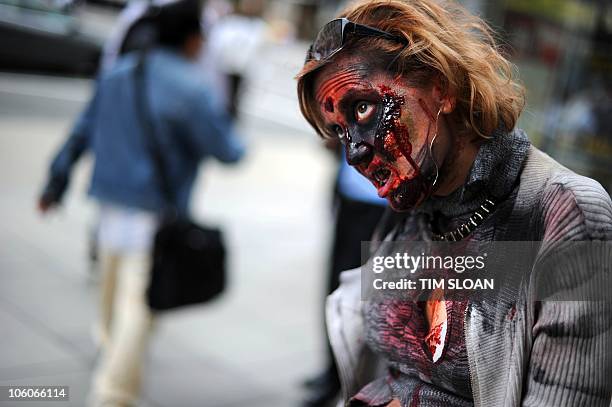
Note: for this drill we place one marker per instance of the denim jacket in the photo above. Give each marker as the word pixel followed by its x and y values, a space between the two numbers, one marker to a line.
pixel 189 127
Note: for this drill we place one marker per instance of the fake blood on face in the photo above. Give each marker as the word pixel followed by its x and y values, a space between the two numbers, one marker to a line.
pixel 392 135
pixel 427 111
pixel 329 104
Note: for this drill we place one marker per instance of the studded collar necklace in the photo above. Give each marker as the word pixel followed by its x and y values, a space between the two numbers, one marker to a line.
pixel 464 230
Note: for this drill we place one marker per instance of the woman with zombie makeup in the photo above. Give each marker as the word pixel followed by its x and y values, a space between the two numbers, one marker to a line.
pixel 426 107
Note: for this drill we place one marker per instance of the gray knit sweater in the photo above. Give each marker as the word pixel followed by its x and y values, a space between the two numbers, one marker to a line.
pixel 548 353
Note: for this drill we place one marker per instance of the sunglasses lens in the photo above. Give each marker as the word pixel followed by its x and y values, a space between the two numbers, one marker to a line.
pixel 328 41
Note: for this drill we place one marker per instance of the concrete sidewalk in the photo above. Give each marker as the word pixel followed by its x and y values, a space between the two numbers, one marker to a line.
pixel 251 348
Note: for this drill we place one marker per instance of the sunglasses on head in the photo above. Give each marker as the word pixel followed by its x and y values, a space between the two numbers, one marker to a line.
pixel 334 35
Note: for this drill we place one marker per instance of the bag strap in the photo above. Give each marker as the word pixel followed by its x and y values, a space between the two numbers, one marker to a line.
pixel 148 130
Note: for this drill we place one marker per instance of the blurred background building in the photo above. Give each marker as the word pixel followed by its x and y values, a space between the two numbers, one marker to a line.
pixel 563 51
pixel 255 345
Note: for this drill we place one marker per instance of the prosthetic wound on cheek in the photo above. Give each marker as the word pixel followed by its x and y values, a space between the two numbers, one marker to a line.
pixel 329 104
pixel 392 141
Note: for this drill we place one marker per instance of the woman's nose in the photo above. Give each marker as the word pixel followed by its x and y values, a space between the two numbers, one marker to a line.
pixel 359 153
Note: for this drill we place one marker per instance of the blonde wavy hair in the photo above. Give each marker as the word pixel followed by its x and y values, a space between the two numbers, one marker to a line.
pixel 445 42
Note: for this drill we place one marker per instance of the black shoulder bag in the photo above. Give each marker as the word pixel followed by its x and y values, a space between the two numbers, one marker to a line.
pixel 188 259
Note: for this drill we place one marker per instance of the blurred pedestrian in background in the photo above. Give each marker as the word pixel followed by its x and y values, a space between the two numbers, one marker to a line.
pixel 188 128
pixel 357 211
pixel 234 42
pixel 134 30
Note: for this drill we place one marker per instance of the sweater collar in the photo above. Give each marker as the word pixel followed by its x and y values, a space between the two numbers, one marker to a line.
pixel 493 174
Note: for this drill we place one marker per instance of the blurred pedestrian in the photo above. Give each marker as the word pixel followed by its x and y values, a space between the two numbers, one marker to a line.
pixel 359 214
pixel 357 211
pixel 131 31
pixel 234 42
pixel 188 128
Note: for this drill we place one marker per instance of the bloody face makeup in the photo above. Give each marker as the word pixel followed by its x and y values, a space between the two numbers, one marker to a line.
pixel 385 125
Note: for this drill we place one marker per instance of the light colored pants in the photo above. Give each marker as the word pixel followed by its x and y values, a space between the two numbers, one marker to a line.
pixel 124 329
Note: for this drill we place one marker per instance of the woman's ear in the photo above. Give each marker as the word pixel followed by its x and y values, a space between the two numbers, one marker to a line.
pixel 444 96
pixel 447 104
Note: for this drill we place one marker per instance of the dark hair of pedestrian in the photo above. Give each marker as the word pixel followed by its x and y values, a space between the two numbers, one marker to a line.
pixel 179 21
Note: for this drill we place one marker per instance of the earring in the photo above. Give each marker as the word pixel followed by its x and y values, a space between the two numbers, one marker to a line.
pixel 431 147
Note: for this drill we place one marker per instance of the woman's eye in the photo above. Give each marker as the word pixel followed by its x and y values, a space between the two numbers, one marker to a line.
pixel 363 111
